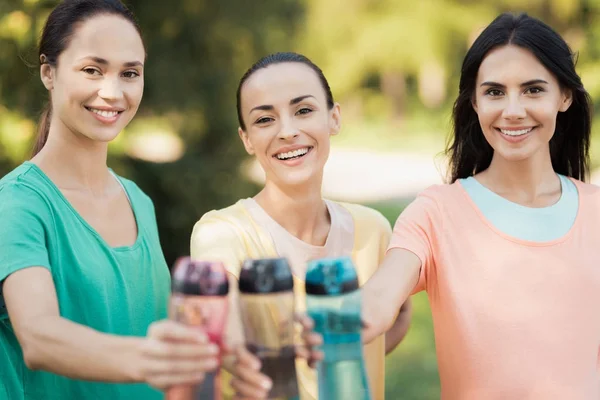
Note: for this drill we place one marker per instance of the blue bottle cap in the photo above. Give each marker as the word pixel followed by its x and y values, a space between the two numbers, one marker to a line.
pixel 331 276
pixel 199 278
pixel 266 275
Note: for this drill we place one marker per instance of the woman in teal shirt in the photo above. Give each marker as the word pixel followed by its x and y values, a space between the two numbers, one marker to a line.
pixel 82 275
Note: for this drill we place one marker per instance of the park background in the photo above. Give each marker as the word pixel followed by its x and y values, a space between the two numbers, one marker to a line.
pixel 392 64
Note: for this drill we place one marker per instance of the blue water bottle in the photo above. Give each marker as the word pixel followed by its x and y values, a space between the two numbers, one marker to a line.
pixel 333 301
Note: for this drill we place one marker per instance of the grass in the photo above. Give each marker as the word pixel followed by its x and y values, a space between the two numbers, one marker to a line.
pixel 411 369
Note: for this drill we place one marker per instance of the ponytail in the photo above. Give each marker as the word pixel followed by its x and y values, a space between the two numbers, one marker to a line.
pixel 43 129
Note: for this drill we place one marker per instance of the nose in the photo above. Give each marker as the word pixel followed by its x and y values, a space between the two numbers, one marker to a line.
pixel 514 110
pixel 110 89
pixel 288 130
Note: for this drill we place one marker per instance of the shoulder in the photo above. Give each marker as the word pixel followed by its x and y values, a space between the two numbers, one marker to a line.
pixel 586 189
pixel 222 224
pixel 22 189
pixel 441 192
pixel 234 214
pixel 437 197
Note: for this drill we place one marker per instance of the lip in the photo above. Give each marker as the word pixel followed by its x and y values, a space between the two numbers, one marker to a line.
pixel 285 149
pixel 293 161
pixel 103 119
pixel 105 108
pixel 515 128
pixel 515 139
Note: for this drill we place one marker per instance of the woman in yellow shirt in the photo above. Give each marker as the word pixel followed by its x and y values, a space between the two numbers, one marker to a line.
pixel 286 117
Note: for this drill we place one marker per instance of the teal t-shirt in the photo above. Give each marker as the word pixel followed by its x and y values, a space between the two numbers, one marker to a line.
pixel 113 290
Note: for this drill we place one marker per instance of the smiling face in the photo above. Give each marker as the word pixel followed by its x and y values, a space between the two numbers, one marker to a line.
pixel 97 84
pixel 517 101
pixel 288 123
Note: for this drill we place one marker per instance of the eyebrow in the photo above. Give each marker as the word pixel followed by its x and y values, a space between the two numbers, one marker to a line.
pixel 295 100
pixel 103 61
pixel 528 83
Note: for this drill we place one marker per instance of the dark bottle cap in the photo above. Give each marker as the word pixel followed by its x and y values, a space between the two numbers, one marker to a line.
pixel 267 275
pixel 199 278
pixel 331 276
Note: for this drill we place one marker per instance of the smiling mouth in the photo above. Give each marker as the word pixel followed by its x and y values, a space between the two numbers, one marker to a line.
pixel 103 113
pixel 294 154
pixel 515 132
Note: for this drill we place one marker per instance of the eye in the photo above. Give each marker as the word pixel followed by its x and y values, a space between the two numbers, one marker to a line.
pixel 91 71
pixel 304 110
pixel 534 90
pixel 264 120
pixel 494 92
pixel 131 74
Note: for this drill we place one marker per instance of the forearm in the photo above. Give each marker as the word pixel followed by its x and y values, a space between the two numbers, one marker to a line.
pixel 387 290
pixel 66 348
pixel 398 331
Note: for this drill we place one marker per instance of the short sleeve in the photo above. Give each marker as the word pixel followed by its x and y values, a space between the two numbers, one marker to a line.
pixel 217 240
pixel 386 234
pixel 416 231
pixel 24 217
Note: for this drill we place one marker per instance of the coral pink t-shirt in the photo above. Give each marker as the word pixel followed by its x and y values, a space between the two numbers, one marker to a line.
pixel 513 319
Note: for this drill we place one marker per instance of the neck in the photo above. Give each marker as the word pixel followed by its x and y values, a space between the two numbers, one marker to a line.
pixel 526 180
pixel 73 161
pixel 299 209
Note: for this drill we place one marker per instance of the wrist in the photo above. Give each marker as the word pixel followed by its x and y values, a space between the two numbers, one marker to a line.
pixel 132 359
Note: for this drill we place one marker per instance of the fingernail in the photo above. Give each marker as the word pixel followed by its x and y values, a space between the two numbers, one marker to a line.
pixel 266 384
pixel 213 348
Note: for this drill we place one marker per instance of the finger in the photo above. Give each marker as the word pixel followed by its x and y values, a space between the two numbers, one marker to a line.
pixel 180 367
pixel 252 377
pixel 316 356
pixel 306 322
pixel 179 351
pixel 164 382
pixel 312 357
pixel 245 358
pixel 246 390
pixel 313 339
pixel 175 331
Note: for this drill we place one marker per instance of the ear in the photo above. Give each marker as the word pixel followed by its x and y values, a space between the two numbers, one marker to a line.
pixel 335 123
pixel 474 103
pixel 246 141
pixel 566 100
pixel 46 73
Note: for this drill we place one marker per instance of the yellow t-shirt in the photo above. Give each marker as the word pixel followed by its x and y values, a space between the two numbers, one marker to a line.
pixel 231 235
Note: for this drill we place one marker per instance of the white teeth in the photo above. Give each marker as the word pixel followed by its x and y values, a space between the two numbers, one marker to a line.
pixel 291 154
pixel 515 133
pixel 106 114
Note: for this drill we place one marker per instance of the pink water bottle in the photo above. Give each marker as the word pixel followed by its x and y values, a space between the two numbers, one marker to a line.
pixel 199 299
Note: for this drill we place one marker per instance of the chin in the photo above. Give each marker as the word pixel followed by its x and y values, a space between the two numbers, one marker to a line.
pixel 105 137
pixel 516 156
pixel 296 179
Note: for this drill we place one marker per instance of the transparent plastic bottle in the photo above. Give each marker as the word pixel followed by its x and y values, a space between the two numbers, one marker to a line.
pixel 267 308
pixel 199 299
pixel 333 301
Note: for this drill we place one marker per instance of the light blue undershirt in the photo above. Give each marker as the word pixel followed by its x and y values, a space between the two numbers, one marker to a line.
pixel 526 223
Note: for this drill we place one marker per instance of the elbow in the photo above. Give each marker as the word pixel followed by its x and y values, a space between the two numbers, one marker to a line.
pixel 32 358
pixel 32 350
pixel 377 326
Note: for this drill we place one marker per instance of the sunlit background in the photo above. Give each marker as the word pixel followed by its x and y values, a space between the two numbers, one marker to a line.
pixel 392 64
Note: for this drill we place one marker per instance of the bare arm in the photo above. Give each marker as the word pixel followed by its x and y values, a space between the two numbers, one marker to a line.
pixel 398 331
pixel 386 291
pixel 55 344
